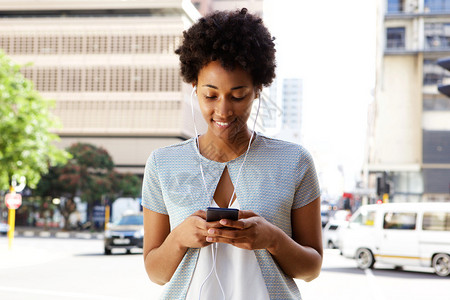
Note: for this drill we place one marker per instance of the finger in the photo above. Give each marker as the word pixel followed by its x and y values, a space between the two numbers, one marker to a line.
pixel 232 224
pixel 226 233
pixel 244 214
pixel 200 213
pixel 241 243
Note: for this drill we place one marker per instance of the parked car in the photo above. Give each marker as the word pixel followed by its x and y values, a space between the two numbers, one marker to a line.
pixel 331 233
pixel 341 215
pixel 325 212
pixel 127 233
pixel 400 234
pixel 3 228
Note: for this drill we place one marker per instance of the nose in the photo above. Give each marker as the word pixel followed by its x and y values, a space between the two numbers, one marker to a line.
pixel 223 107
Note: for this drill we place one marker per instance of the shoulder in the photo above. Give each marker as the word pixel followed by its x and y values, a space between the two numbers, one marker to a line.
pixel 282 148
pixel 175 152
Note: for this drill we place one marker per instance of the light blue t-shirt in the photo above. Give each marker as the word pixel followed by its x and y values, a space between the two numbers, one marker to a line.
pixel 276 178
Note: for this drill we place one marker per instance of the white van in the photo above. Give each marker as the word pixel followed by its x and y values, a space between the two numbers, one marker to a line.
pixel 401 234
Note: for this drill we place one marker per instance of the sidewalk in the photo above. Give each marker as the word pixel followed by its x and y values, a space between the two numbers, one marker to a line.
pixel 55 233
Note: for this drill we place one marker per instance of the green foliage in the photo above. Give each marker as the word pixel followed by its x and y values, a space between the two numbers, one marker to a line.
pixel 90 175
pixel 126 185
pixel 26 142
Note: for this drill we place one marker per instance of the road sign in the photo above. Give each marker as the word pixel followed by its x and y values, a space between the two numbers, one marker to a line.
pixel 13 200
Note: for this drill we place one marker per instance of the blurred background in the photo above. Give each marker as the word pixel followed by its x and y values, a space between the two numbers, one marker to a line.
pixel 357 85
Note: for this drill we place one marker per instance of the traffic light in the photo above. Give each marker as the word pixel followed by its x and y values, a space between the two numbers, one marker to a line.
pixel 444 88
pixel 383 187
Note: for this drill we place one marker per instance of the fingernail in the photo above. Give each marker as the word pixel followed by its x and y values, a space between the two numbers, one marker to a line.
pixel 211 231
pixel 209 239
pixel 223 222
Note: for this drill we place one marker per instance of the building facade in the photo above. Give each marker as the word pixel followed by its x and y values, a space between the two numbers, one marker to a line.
pixel 207 6
pixel 409 134
pixel 289 92
pixel 110 66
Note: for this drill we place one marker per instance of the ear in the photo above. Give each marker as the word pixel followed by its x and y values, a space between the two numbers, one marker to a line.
pixel 258 90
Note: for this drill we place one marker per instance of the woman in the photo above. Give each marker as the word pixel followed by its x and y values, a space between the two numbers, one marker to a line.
pixel 228 57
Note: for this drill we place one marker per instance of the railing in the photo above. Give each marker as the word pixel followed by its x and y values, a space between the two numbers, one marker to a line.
pixel 398 48
pixel 395 45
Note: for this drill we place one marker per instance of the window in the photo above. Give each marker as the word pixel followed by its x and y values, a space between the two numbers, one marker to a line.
pixel 394 6
pixel 436 5
pixel 122 44
pixel 47 44
pixel 404 221
pixel 432 73
pixel 366 218
pixel 395 38
pixel 439 221
pixel 437 35
pixel 333 227
pixel 71 44
pixel 97 44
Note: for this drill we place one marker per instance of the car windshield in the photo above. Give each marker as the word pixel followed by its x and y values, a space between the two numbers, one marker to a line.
pixel 131 220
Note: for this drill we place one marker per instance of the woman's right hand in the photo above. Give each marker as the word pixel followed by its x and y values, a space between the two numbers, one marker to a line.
pixel 164 249
pixel 192 232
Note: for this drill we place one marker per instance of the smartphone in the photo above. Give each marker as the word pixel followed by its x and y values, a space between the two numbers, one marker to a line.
pixel 218 213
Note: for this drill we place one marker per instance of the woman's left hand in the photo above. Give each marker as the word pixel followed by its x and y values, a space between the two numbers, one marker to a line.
pixel 250 232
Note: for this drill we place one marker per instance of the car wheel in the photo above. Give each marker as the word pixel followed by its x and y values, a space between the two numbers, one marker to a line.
pixel 364 258
pixel 107 251
pixel 441 264
pixel 331 245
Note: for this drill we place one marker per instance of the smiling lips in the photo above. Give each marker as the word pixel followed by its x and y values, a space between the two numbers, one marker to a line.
pixel 222 124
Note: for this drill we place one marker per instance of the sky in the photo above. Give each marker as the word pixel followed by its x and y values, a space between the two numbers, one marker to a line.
pixel 331 46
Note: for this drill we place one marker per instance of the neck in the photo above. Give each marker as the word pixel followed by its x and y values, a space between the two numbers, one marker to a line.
pixel 223 150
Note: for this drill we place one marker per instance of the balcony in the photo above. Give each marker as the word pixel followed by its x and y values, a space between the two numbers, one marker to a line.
pixel 397 48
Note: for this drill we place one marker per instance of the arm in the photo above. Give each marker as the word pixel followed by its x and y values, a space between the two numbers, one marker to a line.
pixel 164 249
pixel 299 257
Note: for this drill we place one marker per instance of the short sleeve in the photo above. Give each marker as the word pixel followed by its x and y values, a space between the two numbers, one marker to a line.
pixel 307 189
pixel 152 197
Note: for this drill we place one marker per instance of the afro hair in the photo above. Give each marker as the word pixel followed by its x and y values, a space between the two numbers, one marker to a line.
pixel 235 39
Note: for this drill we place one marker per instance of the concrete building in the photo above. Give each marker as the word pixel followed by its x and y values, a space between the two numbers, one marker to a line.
pixel 292 98
pixel 207 6
pixel 110 66
pixel 409 134
pixel 287 94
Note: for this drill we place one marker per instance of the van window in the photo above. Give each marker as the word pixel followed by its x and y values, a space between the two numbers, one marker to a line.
pixel 399 220
pixel 436 221
pixel 365 218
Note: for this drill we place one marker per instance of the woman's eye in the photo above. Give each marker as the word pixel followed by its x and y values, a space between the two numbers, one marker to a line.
pixel 210 97
pixel 237 98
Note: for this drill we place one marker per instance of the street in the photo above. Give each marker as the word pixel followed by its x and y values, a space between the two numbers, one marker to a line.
pixel 58 268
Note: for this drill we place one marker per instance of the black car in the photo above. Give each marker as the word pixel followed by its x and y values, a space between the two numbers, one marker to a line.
pixel 127 233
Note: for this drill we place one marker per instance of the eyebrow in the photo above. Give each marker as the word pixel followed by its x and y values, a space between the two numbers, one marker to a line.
pixel 234 88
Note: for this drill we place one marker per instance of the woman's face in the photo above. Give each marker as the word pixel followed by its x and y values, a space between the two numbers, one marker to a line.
pixel 225 99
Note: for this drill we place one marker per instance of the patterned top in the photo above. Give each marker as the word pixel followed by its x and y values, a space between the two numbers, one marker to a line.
pixel 277 177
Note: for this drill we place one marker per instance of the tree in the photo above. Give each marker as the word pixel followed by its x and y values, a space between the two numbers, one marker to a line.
pixel 26 141
pixel 90 175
